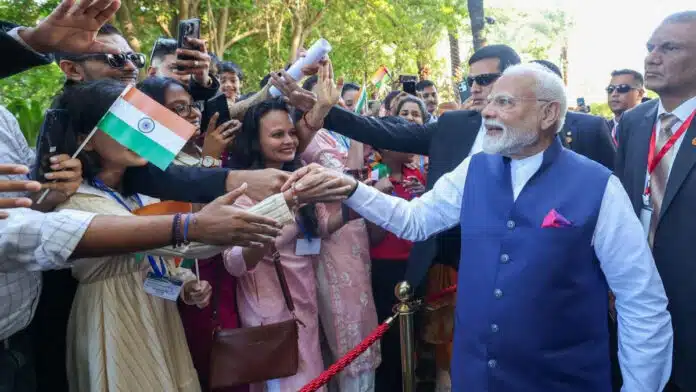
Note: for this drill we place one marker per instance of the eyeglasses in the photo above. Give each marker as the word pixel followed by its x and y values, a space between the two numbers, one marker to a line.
pixel 117 60
pixel 507 102
pixel 183 110
pixel 620 88
pixel 483 79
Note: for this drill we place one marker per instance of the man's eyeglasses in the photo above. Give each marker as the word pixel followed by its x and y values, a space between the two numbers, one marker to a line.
pixel 619 88
pixel 116 60
pixel 482 80
pixel 507 102
pixel 183 110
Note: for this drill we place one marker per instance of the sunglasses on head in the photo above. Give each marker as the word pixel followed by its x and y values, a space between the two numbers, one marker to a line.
pixel 482 80
pixel 620 88
pixel 117 60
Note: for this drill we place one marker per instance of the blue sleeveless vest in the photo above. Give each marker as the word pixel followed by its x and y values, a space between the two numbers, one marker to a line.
pixel 532 304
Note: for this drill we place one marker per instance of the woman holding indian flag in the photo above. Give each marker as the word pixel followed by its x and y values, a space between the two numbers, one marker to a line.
pixel 124 331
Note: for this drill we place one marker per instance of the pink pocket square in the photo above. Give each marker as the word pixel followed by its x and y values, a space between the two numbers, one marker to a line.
pixel 555 219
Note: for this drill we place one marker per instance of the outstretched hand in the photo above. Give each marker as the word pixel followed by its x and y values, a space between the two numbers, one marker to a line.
pixel 315 183
pixel 72 27
pixel 15 186
pixel 293 93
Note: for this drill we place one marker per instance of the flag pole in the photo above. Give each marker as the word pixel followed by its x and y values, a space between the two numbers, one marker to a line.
pixel 84 143
pixel 79 149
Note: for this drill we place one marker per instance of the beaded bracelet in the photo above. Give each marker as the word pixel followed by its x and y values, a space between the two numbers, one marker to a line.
pixel 176 230
pixel 186 227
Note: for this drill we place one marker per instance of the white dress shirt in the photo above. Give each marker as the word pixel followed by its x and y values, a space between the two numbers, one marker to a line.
pixel 645 329
pixel 29 240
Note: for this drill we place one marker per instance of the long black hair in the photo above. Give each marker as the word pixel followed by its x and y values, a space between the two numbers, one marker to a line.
pixel 156 87
pixel 85 104
pixel 246 154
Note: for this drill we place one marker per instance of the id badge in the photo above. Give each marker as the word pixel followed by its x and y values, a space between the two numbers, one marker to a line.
pixel 162 287
pixel 305 247
pixel 645 216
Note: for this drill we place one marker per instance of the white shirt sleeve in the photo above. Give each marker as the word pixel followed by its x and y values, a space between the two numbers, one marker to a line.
pixel 31 240
pixel 644 324
pixel 415 220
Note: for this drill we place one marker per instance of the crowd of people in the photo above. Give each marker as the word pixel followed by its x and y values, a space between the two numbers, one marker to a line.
pixel 567 234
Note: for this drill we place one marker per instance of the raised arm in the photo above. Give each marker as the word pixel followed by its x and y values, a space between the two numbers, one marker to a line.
pixel 389 133
pixel 414 220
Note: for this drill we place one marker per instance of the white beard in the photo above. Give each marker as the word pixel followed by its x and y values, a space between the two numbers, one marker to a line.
pixel 512 140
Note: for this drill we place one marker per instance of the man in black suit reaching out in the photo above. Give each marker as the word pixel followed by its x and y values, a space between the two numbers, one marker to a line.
pixel 656 163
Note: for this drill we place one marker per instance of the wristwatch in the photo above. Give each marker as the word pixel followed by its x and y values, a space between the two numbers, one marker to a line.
pixel 209 161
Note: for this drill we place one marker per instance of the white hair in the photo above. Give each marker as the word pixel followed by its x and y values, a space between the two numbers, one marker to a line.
pixel 549 87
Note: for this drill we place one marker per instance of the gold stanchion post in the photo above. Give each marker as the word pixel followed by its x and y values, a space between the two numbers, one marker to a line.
pixel 404 293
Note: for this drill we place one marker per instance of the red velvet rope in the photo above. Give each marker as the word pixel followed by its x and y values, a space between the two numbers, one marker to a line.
pixel 353 354
pixel 347 359
pixel 434 297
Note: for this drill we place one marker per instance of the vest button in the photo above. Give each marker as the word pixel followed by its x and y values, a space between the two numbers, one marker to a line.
pixel 492 363
pixel 504 258
pixel 511 224
pixel 494 328
pixel 498 293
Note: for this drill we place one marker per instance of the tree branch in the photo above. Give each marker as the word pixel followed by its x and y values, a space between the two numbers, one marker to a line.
pixel 240 37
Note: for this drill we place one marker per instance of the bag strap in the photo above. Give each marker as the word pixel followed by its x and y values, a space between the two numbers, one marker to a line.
pixel 283 282
pixel 278 266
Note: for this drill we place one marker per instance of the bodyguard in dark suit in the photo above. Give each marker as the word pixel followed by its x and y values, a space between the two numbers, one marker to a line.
pixel 666 198
pixel 585 134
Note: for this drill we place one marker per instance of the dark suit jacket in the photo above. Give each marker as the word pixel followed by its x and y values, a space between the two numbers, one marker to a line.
pixel 448 142
pixel 589 136
pixel 17 57
pixel 674 239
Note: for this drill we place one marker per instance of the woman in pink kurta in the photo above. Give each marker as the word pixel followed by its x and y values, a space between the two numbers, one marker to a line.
pixel 268 140
pixel 346 305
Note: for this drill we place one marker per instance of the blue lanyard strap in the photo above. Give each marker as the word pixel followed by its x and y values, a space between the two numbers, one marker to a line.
pixel 159 272
pixel 305 232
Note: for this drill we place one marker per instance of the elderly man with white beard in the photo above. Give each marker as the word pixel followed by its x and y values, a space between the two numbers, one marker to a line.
pixel 545 232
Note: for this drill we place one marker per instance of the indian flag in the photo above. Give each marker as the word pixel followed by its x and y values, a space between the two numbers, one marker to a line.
pixel 144 126
pixel 362 100
pixel 378 77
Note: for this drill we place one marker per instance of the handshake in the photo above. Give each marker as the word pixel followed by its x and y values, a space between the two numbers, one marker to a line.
pixel 316 184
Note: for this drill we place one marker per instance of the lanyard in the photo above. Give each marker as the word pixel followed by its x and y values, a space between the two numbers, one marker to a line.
pixel 159 272
pixel 654 160
pixel 305 232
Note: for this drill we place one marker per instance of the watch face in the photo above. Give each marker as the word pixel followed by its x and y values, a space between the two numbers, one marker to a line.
pixel 208 161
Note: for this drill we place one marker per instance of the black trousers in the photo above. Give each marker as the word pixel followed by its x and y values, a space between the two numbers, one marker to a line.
pixel 386 274
pixel 49 330
pixel 17 364
pixel 616 379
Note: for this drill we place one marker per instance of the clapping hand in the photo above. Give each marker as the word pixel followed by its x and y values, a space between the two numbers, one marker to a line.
pixel 15 186
pixel 328 92
pixel 72 27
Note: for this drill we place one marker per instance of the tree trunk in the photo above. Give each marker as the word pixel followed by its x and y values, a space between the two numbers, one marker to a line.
pixel 130 32
pixel 564 61
pixel 455 61
pixel 478 23
pixel 296 38
pixel 184 6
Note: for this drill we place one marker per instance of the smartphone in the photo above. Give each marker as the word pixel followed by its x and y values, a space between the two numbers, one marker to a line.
pixel 217 104
pixel 581 101
pixel 464 92
pixel 52 141
pixel 408 83
pixel 189 28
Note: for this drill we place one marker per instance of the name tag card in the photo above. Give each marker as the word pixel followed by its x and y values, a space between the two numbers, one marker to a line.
pixel 645 215
pixel 162 287
pixel 308 248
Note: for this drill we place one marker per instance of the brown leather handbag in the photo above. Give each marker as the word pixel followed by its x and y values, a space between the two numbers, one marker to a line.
pixel 249 355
